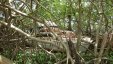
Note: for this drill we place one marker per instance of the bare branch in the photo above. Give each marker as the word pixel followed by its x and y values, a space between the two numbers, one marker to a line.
pixel 29 36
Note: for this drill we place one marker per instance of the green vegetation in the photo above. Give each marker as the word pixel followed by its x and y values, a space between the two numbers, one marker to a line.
pixel 20 31
pixel 37 57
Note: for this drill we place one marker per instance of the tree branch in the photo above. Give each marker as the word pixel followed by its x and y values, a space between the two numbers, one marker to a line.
pixel 29 36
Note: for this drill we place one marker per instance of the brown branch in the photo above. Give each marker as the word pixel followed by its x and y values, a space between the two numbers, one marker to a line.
pixel 4 60
pixel 21 13
pixel 102 48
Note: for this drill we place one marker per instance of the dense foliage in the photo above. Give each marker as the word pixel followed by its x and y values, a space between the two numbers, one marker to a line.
pixel 88 18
